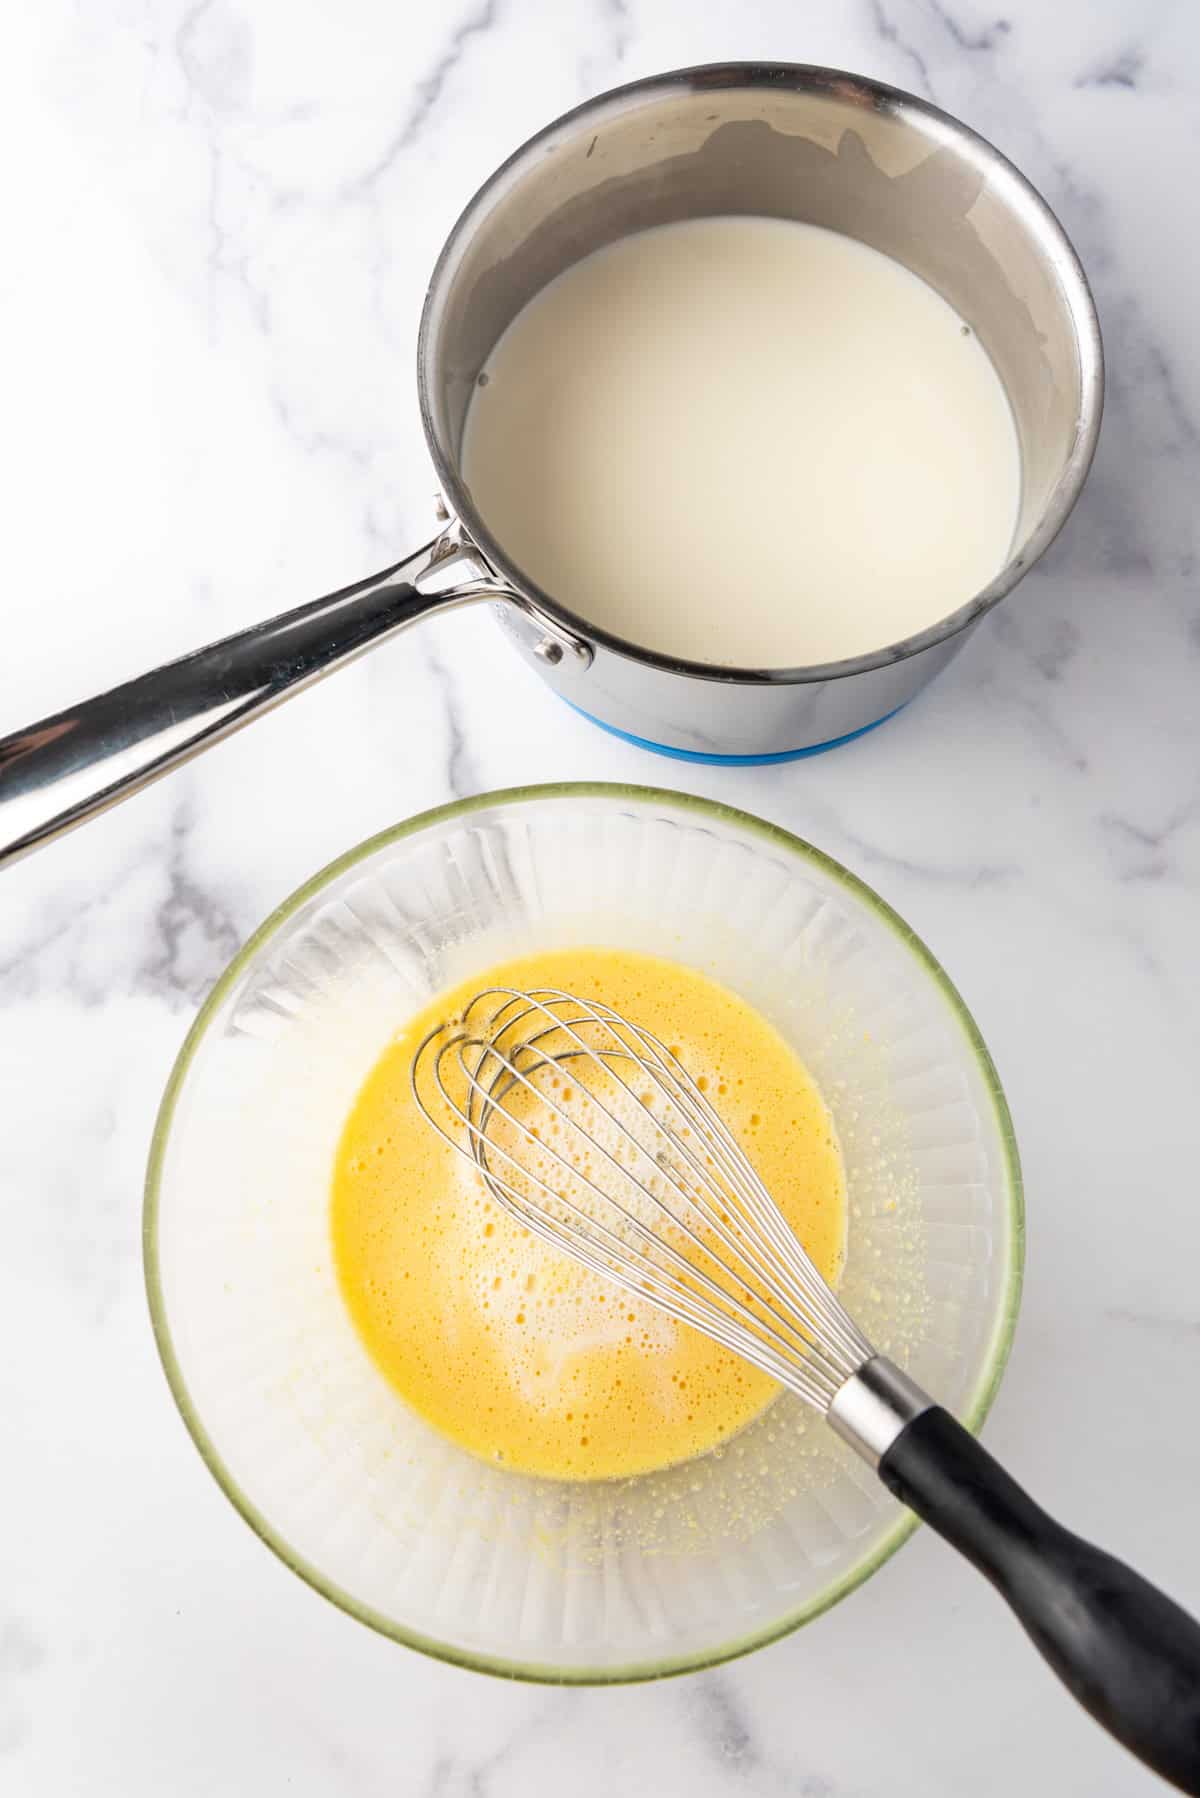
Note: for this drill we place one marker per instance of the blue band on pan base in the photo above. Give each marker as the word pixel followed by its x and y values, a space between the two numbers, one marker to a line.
pixel 733 761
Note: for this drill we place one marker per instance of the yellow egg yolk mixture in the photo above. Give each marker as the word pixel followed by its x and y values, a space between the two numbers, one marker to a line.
pixel 507 1346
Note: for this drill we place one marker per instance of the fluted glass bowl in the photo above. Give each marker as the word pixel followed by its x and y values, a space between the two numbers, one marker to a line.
pixel 538 1578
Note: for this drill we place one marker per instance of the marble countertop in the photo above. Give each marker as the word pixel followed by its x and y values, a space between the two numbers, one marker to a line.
pixel 219 219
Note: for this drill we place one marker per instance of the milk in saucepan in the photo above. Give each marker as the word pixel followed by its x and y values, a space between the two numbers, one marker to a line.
pixel 746 441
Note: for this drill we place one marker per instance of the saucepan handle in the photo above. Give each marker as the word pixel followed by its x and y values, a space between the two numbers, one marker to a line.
pixel 68 767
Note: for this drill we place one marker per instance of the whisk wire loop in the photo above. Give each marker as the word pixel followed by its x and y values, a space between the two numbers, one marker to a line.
pixel 645 1185
pixel 713 1218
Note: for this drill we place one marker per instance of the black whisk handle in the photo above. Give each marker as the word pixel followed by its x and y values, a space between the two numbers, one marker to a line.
pixel 1130 1654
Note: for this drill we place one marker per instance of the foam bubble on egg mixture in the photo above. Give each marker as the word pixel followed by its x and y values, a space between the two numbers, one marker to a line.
pixel 549 1323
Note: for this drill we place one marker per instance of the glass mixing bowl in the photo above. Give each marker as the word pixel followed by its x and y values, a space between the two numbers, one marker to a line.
pixel 539 1578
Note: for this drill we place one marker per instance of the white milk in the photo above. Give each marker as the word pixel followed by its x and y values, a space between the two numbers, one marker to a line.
pixel 748 441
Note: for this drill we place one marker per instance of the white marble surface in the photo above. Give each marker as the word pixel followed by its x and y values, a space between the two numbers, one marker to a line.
pixel 218 220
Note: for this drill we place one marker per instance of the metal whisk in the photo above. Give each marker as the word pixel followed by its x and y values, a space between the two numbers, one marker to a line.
pixel 592 1134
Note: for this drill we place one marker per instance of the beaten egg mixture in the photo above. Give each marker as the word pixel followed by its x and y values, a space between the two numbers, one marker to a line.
pixel 511 1349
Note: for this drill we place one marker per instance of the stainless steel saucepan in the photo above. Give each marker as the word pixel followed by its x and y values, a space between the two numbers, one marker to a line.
pixel 782 140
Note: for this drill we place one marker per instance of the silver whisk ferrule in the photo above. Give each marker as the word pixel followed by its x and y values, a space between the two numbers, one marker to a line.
pixel 593 1135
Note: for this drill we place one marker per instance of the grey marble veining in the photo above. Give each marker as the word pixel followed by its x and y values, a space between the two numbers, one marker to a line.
pixel 220 217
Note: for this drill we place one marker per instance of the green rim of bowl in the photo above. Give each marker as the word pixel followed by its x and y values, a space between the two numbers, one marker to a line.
pixel 974 1411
